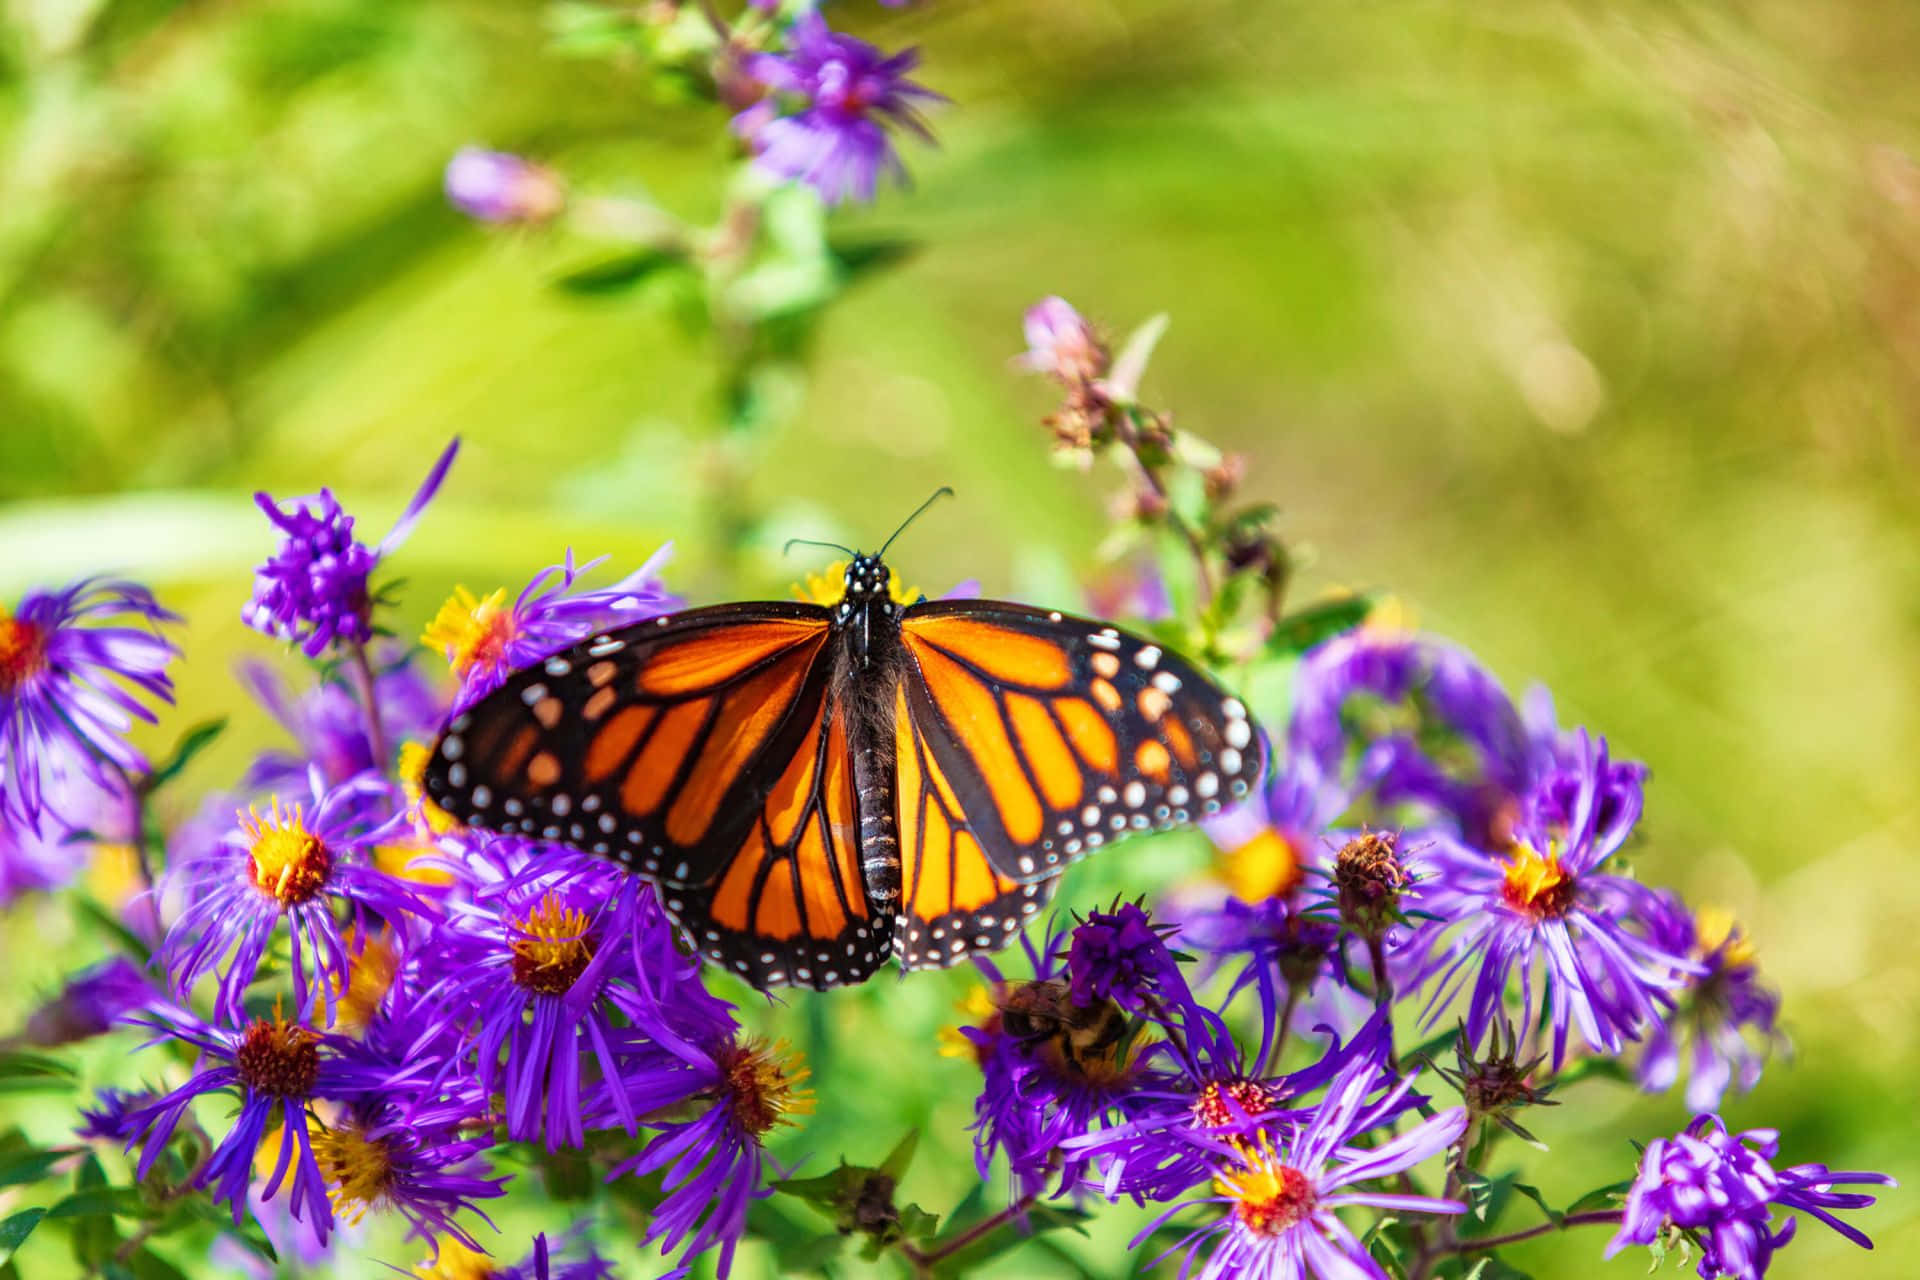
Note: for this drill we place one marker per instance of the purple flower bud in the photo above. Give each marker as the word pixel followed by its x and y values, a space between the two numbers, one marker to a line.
pixel 92 1002
pixel 498 186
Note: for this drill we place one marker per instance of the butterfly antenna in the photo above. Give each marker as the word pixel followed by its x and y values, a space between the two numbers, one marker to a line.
pixel 809 542
pixel 943 491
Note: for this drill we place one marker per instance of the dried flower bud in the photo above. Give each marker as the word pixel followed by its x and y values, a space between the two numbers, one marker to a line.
pixel 1062 345
pixel 1225 476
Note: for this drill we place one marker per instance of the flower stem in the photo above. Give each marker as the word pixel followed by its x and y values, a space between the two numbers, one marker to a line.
pixel 924 1260
pixel 1127 428
pixel 363 677
pixel 1591 1217
pixel 1280 1031
pixel 1383 994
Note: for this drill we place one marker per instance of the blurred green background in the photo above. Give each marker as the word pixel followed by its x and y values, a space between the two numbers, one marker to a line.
pixel 1590 330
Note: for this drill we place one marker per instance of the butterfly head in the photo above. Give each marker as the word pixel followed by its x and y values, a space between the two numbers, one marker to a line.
pixel 868 582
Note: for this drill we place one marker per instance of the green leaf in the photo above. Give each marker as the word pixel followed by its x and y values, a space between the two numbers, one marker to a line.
pixel 100 1202
pixel 860 258
pixel 1533 1193
pixel 1590 1068
pixel 109 924
pixel 15 1229
pixel 1302 630
pixel 191 743
pixel 917 1224
pixel 1601 1197
pixel 619 273
pixel 895 1165
pixel 31 1168
pixel 148 1265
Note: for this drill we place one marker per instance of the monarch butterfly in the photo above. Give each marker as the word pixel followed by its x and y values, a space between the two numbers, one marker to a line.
pixel 814 788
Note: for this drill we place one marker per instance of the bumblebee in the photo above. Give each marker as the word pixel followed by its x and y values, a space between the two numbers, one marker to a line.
pixel 1087 1038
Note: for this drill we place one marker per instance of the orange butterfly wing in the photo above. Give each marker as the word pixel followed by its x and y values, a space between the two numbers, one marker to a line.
pixel 1055 735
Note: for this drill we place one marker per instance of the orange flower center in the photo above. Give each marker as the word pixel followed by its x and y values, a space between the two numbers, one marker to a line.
pixel 471 631
pixel 763 1083
pixel 288 863
pixel 23 650
pixel 1536 885
pixel 1269 1197
pixel 551 951
pixel 278 1058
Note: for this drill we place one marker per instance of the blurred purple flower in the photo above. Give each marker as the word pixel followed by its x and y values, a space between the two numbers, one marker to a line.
pixel 1548 904
pixel 837 143
pixel 70 688
pixel 498 186
pixel 1722 1189
pixel 544 1264
pixel 112 1115
pixel 329 725
pixel 294 866
pixel 1723 1009
pixel 80 811
pixel 1062 345
pixel 314 589
pixel 92 1003
pixel 1281 1219
pixel 486 640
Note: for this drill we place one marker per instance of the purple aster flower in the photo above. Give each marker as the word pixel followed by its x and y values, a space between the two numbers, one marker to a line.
pixel 92 1002
pixel 314 589
pixel 837 143
pixel 278 1068
pixel 292 866
pixel 80 812
pixel 545 1263
pixel 1547 906
pixel 1282 951
pixel 1282 1200
pixel 1120 955
pixel 1722 1190
pixel 486 640
pixel 72 682
pixel 399 1159
pixel 1723 1008
pixel 684 1052
pixel 113 1114
pixel 1207 1094
pixel 1052 1069
pixel 328 723
pixel 534 966
pixel 498 186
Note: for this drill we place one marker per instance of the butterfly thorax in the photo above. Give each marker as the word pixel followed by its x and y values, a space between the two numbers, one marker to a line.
pixel 866 615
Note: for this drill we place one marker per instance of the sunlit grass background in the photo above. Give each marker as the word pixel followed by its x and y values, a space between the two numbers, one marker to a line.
pixel 1590 330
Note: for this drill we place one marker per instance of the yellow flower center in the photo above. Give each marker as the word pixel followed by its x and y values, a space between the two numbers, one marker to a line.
pixel 979 1008
pixel 1268 1196
pixel 1537 885
pixel 279 1058
pixel 23 650
pixel 471 631
pixel 289 863
pixel 764 1084
pixel 454 1261
pixel 551 950
pixel 359 1168
pixel 370 974
pixel 413 772
pixel 828 586
pixel 1267 866
pixel 1215 1107
pixel 1715 929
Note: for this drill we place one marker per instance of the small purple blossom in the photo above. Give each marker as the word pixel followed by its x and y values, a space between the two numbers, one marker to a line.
pixel 1281 1196
pixel 1724 1010
pixel 80 811
pixel 314 589
pixel 73 680
pixel 544 1263
pixel 837 142
pixel 291 866
pixel 1548 910
pixel 486 639
pixel 1119 955
pixel 92 1003
pixel 328 723
pixel 1722 1189
pixel 498 186
pixel 112 1115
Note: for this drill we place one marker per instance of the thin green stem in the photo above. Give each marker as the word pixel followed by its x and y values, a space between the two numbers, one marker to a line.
pixel 1280 1033
pixel 924 1260
pixel 363 678
pixel 1591 1217
pixel 1127 428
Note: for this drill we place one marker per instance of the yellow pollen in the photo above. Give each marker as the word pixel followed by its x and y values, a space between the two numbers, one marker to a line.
pixel 830 584
pixel 22 650
pixel 1268 1196
pixel 413 772
pixel 1715 930
pixel 1537 885
pixel 764 1084
pixel 289 863
pixel 359 1168
pixel 550 947
pixel 1266 866
pixel 979 1009
pixel 452 1260
pixel 471 631
pixel 370 974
